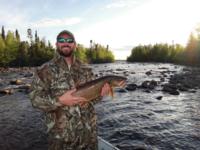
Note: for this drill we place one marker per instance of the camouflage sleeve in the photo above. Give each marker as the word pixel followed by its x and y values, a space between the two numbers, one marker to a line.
pixel 89 75
pixel 40 96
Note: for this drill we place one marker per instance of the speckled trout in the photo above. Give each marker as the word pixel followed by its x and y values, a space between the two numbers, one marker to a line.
pixel 92 90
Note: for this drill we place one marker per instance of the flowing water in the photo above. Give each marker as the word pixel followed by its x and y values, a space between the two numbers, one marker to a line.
pixel 132 120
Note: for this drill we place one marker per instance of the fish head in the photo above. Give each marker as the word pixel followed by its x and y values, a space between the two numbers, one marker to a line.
pixel 118 81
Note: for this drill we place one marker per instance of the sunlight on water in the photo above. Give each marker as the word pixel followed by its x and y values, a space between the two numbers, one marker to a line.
pixel 138 119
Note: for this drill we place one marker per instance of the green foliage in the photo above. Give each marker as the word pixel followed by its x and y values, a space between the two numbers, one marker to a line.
pixel 14 52
pixel 189 55
pixel 155 53
pixel 12 46
pixel 81 53
pixel 2 51
pixel 99 54
pixel 22 55
pixel 192 51
pixel 39 52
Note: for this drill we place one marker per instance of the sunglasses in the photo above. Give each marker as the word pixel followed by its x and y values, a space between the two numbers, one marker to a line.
pixel 67 40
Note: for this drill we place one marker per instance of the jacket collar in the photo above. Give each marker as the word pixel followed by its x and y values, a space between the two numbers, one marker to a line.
pixel 60 61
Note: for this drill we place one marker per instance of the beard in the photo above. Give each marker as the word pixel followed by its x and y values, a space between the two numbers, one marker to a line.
pixel 65 53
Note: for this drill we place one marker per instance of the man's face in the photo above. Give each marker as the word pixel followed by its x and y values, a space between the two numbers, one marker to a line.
pixel 65 45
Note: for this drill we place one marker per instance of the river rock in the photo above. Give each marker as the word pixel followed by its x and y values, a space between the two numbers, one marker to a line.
pixel 119 69
pixel 27 75
pixel 148 73
pixel 126 73
pixel 192 91
pixel 16 82
pixel 26 86
pixel 162 79
pixel 6 91
pixel 147 91
pixel 159 97
pixel 182 87
pixel 149 84
pixel 132 72
pixel 131 87
pixel 163 68
pixel 171 89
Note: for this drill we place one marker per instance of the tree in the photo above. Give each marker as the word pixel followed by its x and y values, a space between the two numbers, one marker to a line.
pixel 17 35
pixel 12 46
pixel 2 51
pixel 3 33
pixel 81 53
pixel 29 35
pixel 192 50
pixel 91 44
pixel 36 37
pixel 22 54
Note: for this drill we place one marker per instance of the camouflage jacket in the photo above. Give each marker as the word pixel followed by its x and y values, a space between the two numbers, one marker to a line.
pixel 74 125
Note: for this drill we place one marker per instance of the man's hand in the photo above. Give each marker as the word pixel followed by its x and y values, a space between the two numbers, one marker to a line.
pixel 69 100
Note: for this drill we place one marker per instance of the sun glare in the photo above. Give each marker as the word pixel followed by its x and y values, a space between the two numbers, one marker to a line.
pixel 157 21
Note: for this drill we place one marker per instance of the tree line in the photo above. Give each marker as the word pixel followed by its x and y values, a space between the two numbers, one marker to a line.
pixel 171 53
pixel 96 53
pixel 36 51
pixel 17 53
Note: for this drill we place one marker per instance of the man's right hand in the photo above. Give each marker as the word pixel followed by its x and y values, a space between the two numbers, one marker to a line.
pixel 69 100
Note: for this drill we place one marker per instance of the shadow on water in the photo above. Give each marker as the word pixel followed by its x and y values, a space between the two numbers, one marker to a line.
pixel 22 126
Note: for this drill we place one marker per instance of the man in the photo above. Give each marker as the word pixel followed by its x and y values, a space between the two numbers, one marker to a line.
pixel 70 126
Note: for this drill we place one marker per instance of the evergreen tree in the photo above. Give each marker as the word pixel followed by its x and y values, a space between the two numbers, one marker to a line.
pixel 36 37
pixel 29 35
pixel 2 51
pixel 22 54
pixel 12 46
pixel 17 35
pixel 99 54
pixel 36 52
pixel 3 33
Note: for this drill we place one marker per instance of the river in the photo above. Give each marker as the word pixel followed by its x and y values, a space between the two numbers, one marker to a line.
pixel 135 119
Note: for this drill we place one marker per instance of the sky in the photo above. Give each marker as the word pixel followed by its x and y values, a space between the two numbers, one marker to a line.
pixel 121 24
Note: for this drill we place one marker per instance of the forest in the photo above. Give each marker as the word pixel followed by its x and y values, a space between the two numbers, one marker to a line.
pixel 17 53
pixel 170 53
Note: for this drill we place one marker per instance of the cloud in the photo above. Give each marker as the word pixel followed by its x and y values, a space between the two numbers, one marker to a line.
pixel 22 21
pixel 116 5
pixel 120 4
pixel 12 19
pixel 49 22
pixel 149 23
pixel 17 16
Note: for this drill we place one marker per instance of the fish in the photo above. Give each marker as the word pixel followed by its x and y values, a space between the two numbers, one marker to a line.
pixel 92 90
